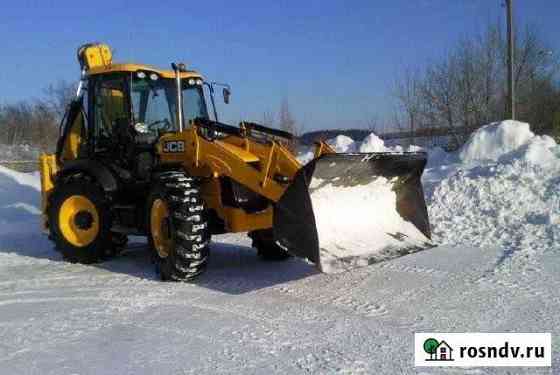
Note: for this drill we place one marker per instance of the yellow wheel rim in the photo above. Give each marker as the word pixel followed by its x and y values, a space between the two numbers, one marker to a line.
pixel 159 226
pixel 78 220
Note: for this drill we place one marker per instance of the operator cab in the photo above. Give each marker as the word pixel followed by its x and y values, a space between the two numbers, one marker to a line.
pixel 140 105
pixel 127 112
pixel 121 110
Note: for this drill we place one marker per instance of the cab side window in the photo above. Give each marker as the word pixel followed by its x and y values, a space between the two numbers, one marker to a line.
pixel 110 107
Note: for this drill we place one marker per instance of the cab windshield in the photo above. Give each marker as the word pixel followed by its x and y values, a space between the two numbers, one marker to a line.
pixel 154 103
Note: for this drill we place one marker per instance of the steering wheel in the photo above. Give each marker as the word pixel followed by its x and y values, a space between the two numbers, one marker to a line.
pixel 156 125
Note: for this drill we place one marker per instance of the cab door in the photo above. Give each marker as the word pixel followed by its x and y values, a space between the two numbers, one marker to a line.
pixel 109 113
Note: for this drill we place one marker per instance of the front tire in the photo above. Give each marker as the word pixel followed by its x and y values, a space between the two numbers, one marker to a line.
pixel 178 231
pixel 80 222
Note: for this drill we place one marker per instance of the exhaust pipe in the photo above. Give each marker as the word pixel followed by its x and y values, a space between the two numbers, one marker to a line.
pixel 179 68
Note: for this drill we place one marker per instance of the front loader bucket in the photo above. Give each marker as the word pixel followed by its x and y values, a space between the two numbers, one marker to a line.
pixel 348 210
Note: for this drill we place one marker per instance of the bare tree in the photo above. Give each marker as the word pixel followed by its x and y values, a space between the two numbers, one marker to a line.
pixel 467 88
pixel 59 95
pixel 268 119
pixel 35 122
pixel 407 92
pixel 286 121
pixel 45 127
pixel 30 123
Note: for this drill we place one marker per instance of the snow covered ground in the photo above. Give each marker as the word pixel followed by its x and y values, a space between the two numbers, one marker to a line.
pixel 496 214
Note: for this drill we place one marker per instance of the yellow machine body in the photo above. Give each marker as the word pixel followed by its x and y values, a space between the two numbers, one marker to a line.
pixel 96 56
pixel 48 167
pixel 250 163
pixel 249 177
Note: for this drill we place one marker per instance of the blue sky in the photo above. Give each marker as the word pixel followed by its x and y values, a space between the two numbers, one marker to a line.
pixel 335 61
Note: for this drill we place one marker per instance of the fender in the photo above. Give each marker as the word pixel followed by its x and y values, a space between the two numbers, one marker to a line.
pixel 95 169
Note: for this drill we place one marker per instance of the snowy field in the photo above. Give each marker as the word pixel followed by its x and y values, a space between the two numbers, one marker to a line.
pixel 494 208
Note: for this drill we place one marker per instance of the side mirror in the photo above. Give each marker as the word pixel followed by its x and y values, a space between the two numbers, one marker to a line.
pixel 226 94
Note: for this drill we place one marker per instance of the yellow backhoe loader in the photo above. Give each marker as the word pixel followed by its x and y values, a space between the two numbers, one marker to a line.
pixel 138 154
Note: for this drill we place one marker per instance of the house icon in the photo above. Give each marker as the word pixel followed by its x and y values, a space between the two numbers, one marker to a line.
pixel 443 352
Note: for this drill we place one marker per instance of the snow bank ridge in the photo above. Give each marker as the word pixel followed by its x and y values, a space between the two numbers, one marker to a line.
pixel 508 141
pixel 504 192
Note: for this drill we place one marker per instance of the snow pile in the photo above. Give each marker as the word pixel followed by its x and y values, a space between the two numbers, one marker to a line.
pixel 511 206
pixel 414 148
pixel 343 143
pixel 540 150
pixel 506 193
pixel 19 200
pixel 492 141
pixel 350 234
pixel 305 153
pixel 372 143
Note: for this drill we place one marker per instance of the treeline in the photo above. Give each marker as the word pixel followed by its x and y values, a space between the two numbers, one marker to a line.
pixel 467 88
pixel 35 122
pixel 28 123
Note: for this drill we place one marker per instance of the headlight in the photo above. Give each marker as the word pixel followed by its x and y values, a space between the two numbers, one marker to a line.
pixel 141 75
pixel 199 82
pixel 191 81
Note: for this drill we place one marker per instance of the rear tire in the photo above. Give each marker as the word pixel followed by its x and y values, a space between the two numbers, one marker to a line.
pixel 267 249
pixel 80 222
pixel 178 230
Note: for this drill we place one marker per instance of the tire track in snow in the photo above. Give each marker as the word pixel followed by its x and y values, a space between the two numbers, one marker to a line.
pixel 394 266
pixel 329 361
pixel 343 285
pixel 45 300
pixel 507 286
pixel 340 297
